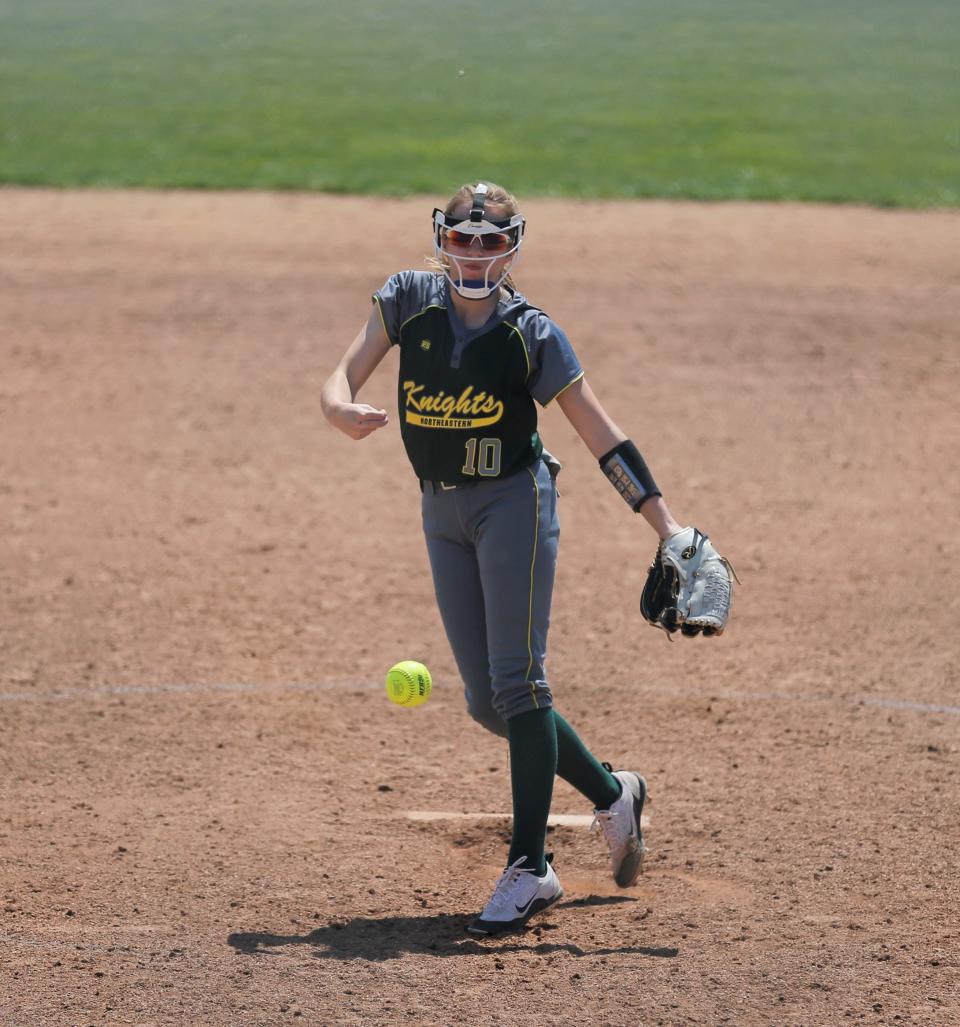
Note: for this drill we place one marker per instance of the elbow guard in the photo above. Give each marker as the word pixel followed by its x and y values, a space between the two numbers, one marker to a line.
pixel 629 474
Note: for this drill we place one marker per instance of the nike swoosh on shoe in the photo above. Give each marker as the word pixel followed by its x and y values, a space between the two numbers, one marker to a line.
pixel 523 909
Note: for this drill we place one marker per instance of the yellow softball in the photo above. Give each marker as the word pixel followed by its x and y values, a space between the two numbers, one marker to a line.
pixel 409 683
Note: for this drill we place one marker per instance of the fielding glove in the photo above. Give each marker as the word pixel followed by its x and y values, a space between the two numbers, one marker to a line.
pixel 689 586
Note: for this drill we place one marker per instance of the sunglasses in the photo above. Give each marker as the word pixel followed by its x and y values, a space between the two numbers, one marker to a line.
pixel 490 242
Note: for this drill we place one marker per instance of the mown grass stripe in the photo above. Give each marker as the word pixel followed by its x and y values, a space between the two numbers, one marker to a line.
pixel 753 99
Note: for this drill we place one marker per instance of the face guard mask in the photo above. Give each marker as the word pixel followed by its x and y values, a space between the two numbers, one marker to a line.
pixel 478 240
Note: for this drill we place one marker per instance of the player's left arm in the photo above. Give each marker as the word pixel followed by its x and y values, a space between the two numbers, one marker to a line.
pixel 689 585
pixel 601 435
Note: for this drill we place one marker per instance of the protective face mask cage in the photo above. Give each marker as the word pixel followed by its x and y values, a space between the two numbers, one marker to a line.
pixel 475 288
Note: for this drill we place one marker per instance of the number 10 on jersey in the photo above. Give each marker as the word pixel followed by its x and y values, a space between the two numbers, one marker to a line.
pixel 483 458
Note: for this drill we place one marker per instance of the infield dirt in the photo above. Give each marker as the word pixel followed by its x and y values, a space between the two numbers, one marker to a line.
pixel 205 792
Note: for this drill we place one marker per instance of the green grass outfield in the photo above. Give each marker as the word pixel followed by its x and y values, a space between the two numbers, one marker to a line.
pixel 851 100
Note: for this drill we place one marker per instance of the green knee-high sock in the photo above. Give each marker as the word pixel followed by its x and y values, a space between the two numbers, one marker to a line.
pixel 533 766
pixel 577 765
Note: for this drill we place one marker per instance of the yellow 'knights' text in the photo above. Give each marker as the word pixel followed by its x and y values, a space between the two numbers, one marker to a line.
pixel 468 410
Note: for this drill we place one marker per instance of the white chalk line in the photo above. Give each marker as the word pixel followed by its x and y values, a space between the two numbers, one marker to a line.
pixel 554 820
pixel 107 691
pixel 102 691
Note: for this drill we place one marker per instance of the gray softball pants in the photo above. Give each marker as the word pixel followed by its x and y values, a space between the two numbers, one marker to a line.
pixel 493 553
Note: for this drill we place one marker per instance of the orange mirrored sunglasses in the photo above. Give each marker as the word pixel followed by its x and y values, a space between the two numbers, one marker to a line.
pixel 490 242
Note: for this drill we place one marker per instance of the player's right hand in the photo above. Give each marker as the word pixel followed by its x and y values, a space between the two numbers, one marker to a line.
pixel 358 420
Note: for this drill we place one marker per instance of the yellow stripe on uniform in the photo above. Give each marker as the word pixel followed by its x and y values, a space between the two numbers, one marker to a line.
pixel 383 321
pixel 523 345
pixel 413 317
pixel 533 560
pixel 573 381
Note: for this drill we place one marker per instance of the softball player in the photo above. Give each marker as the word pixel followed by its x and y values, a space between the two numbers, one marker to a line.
pixel 475 357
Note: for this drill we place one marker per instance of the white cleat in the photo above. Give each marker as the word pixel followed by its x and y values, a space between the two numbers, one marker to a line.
pixel 518 895
pixel 621 827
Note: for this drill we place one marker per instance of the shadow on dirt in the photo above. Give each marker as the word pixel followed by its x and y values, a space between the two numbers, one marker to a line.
pixel 443 934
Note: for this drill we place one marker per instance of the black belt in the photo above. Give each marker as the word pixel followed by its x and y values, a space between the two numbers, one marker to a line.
pixel 448 486
pixel 444 486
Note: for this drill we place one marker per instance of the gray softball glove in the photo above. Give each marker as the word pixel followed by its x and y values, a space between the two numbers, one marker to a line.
pixel 689 586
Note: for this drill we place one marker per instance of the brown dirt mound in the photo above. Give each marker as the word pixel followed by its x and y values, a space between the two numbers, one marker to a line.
pixel 205 791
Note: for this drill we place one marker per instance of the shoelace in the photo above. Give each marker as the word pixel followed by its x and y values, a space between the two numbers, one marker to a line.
pixel 605 819
pixel 509 876
pixel 498 901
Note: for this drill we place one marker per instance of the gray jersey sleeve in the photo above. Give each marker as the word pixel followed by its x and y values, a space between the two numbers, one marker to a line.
pixel 553 363
pixel 401 296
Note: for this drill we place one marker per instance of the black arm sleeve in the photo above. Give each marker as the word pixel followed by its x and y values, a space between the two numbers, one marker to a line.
pixel 629 474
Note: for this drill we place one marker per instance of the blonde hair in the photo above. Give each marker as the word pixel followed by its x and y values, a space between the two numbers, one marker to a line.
pixel 497 196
